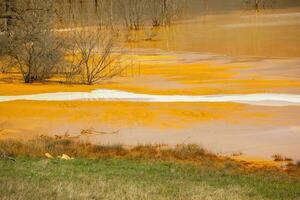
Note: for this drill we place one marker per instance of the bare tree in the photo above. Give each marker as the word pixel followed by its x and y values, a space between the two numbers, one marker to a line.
pixel 132 12
pixel 3 45
pixel 104 12
pixel 163 12
pixel 257 4
pixel 92 55
pixel 3 50
pixel 32 46
pixel 72 64
pixel 6 7
pixel 156 14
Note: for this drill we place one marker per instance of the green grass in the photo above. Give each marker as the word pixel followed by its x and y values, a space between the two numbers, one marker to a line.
pixel 112 178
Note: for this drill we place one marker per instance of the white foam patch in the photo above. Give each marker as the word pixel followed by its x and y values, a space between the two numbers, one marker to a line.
pixel 115 95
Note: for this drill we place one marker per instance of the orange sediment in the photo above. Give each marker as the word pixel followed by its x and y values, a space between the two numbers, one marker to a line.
pixel 166 78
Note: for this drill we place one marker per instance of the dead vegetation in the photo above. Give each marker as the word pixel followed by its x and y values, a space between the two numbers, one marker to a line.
pixel 91 131
pixel 83 133
pixel 278 158
pixel 76 148
pixel 298 164
pixel 92 56
pixel 164 12
pixel 65 144
pixel 260 4
pixel 34 45
pixel 31 46
pixel 34 49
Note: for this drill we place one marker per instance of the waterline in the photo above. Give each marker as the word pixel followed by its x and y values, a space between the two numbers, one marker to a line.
pixel 271 99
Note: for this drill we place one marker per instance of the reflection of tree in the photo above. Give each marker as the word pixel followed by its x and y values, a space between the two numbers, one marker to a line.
pixel 163 12
pixel 258 4
pixel 205 5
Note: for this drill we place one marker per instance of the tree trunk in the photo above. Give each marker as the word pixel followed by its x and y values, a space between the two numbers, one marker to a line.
pixel 257 4
pixel 6 10
pixel 88 75
pixel 28 78
pixel 164 11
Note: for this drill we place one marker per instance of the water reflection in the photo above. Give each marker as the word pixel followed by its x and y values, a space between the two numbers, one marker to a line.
pixel 268 33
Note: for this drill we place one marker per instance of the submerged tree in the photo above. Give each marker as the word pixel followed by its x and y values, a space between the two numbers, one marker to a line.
pixel 257 4
pixel 36 47
pixel 5 13
pixel 132 12
pixel 3 49
pixel 32 46
pixel 91 55
pixel 163 12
